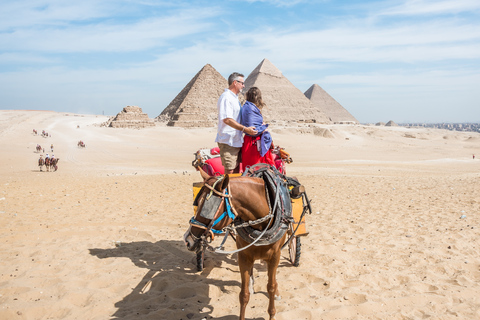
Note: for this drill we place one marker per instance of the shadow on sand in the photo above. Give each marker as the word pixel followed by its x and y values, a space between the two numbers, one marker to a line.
pixel 171 287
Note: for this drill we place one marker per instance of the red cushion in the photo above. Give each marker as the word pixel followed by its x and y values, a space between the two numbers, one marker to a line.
pixel 214 167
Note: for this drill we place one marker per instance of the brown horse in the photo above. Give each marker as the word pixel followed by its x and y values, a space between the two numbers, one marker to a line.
pixel 248 199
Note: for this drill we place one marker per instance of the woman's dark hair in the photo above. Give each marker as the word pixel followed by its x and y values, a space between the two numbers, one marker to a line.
pixel 254 95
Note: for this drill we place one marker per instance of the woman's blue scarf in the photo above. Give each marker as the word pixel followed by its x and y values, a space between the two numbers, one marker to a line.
pixel 252 117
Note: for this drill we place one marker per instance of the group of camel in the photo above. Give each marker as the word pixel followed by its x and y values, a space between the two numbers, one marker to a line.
pixel 49 163
pixel 44 133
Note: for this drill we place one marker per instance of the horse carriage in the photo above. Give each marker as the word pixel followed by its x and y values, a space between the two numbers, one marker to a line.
pixel 81 144
pixel 262 209
pixel 210 162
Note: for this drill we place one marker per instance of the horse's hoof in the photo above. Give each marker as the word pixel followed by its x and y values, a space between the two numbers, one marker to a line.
pixel 278 298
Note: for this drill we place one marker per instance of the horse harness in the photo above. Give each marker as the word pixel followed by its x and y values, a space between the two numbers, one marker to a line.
pixel 219 208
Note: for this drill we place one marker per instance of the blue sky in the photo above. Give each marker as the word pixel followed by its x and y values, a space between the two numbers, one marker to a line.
pixel 405 60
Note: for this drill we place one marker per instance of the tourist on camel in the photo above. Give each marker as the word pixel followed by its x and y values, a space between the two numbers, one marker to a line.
pixel 257 148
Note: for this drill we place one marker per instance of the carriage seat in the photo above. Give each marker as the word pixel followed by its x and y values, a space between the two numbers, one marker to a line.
pixel 214 167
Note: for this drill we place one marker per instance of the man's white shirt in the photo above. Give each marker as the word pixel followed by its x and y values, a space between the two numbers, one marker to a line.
pixel 228 106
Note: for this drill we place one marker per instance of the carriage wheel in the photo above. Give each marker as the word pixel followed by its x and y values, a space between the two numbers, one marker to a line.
pixel 200 258
pixel 294 248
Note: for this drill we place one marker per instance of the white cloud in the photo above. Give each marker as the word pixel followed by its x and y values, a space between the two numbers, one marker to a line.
pixel 359 59
pixel 280 3
pixel 433 7
pixel 106 37
pixel 31 13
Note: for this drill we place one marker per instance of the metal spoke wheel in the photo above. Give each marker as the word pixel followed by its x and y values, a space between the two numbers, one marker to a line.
pixel 294 249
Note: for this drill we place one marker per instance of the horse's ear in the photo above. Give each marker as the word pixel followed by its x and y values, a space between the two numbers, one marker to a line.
pixel 225 181
pixel 205 175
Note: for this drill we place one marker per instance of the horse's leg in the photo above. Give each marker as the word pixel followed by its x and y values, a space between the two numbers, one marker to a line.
pixel 245 264
pixel 251 283
pixel 272 285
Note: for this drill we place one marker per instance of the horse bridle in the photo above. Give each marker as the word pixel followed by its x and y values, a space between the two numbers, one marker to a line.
pixel 209 234
pixel 207 237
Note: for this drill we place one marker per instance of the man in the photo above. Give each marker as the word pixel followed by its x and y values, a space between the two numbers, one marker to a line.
pixel 41 162
pixel 230 131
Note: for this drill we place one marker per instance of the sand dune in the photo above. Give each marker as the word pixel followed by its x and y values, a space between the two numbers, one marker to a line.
pixel 394 233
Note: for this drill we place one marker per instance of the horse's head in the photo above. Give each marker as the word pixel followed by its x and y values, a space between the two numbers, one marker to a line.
pixel 209 201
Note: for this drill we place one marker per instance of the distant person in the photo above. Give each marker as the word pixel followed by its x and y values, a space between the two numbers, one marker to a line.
pixel 257 148
pixel 47 162
pixel 473 157
pixel 41 162
pixel 51 147
pixel 230 131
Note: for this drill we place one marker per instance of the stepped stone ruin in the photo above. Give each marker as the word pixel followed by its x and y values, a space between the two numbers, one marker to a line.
pixel 131 117
pixel 325 103
pixel 284 102
pixel 196 104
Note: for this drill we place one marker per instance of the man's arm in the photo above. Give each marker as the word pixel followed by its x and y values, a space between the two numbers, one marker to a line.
pixel 234 124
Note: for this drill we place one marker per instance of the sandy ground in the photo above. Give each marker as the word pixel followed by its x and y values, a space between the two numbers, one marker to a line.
pixel 395 232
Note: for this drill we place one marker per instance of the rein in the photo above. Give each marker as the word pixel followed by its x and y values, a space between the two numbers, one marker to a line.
pixel 247 224
pixel 213 190
pixel 232 214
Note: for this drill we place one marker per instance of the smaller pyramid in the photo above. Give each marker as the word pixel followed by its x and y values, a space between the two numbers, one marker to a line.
pixel 324 102
pixel 196 105
pixel 284 102
pixel 131 117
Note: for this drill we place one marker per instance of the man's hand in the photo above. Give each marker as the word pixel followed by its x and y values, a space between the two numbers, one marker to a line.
pixel 250 130
pixel 234 124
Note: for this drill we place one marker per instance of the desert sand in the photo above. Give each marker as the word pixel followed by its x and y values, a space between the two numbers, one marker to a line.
pixel 394 234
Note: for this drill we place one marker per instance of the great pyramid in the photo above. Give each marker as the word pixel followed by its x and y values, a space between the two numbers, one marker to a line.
pixel 196 104
pixel 284 102
pixel 324 102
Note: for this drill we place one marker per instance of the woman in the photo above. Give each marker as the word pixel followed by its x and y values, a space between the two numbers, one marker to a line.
pixel 256 149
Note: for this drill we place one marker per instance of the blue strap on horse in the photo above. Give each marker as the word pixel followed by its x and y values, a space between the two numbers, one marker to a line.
pixel 228 211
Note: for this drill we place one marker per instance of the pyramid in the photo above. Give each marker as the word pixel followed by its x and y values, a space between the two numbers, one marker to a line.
pixel 324 102
pixel 284 102
pixel 196 104
pixel 131 117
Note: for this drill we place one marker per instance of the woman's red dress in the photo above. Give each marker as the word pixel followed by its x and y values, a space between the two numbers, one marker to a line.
pixel 250 154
